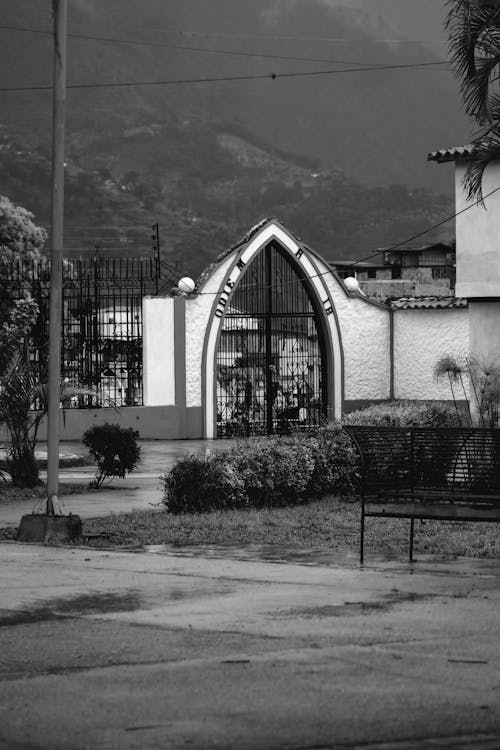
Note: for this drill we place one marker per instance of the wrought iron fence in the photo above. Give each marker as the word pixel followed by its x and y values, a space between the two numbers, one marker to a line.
pixel 102 322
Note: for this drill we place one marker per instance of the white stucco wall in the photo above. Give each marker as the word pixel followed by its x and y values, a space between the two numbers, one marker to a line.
pixel 421 338
pixel 478 237
pixel 365 333
pixel 158 351
pixel 197 316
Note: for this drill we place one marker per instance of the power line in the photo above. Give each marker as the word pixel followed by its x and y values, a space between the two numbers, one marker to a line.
pixel 383 250
pixel 291 38
pixel 219 79
pixel 140 43
pixel 260 37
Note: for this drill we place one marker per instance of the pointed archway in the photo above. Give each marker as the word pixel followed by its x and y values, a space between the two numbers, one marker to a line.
pixel 272 355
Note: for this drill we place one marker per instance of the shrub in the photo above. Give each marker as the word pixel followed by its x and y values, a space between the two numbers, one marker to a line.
pixel 271 473
pixel 114 448
pixel 274 473
pixel 405 414
pixel 335 462
pixel 197 483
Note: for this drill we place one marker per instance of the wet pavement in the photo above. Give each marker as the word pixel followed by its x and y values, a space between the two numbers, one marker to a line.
pixel 239 648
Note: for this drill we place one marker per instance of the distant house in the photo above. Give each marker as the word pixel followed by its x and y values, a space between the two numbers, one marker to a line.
pixel 423 271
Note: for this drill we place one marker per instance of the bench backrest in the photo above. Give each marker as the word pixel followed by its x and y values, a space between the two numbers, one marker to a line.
pixel 460 460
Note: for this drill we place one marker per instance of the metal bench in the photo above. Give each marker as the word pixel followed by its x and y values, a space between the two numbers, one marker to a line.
pixel 450 474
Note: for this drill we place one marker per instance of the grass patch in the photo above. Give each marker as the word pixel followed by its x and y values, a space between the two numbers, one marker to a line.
pixel 330 523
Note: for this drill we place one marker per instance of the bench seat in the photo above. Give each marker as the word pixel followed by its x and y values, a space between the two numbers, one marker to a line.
pixel 446 474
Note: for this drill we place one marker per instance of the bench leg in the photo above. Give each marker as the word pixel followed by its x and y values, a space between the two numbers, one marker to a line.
pixel 412 524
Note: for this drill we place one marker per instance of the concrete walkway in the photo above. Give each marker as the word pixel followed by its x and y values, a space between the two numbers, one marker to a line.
pixel 141 489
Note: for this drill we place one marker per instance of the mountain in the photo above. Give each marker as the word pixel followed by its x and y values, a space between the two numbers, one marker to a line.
pixel 206 159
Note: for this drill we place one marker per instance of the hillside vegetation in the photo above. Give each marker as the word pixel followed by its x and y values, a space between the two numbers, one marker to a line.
pixel 208 190
pixel 339 158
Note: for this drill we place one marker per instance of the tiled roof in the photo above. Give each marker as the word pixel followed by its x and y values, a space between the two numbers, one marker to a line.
pixel 451 154
pixel 427 303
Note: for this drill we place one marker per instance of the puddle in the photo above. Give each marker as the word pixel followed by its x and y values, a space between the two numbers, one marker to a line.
pixel 343 557
pixel 85 604
pixel 388 602
pixel 274 553
pixel 96 603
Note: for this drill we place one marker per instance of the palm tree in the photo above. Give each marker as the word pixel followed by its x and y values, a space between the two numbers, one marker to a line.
pixel 474 44
pixel 23 405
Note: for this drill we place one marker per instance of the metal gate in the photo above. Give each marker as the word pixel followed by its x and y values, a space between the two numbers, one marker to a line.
pixel 271 361
pixel 101 321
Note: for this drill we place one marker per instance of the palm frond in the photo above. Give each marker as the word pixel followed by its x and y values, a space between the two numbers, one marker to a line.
pixel 477 91
pixel 486 150
pixel 474 48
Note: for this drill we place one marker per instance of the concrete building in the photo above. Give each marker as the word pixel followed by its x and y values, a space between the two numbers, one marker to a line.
pixel 477 253
pixel 416 271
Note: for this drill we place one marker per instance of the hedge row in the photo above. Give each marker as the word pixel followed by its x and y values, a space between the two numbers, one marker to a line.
pixel 406 414
pixel 287 470
pixel 271 473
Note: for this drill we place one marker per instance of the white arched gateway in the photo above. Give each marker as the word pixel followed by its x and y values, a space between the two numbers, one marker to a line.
pixel 271 338
pixel 272 353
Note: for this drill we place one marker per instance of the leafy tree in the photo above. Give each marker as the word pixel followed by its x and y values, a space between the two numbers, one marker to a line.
pixel 23 399
pixel 20 240
pixel 16 329
pixel 20 237
pixel 18 391
pixel 474 32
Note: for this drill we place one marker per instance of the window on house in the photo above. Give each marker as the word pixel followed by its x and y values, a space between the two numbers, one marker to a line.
pixel 440 273
pixel 395 273
pixel 372 273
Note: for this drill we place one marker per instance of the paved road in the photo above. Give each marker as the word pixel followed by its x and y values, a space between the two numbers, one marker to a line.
pixel 219 648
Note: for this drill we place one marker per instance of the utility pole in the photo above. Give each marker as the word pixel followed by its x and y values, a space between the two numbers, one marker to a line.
pixel 156 248
pixel 60 17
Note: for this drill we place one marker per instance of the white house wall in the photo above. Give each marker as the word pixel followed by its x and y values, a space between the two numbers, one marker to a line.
pixel 477 233
pixel 421 338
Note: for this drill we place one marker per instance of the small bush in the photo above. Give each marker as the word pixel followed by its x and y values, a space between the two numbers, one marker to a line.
pixel 335 462
pixel 114 448
pixel 405 414
pixel 197 483
pixel 273 473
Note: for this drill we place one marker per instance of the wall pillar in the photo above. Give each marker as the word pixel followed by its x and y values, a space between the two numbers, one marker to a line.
pixel 158 342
